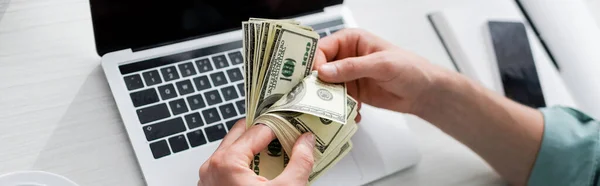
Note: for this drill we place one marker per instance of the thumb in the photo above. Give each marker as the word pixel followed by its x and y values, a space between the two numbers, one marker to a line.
pixel 301 162
pixel 352 68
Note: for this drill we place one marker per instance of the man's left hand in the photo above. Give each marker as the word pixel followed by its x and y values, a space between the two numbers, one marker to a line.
pixel 229 164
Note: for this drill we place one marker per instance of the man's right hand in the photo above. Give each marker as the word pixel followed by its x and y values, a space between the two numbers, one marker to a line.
pixel 506 134
pixel 377 72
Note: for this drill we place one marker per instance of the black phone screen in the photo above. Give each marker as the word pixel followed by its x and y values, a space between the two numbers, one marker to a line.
pixel 516 64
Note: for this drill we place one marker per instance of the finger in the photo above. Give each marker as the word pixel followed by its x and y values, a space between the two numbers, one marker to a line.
pixel 319 59
pixel 352 89
pixel 358 118
pixel 254 140
pixel 351 42
pixel 338 42
pixel 301 160
pixel 373 66
pixel 359 106
pixel 236 131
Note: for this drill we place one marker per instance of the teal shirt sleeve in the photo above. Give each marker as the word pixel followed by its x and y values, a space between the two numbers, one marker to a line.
pixel 570 150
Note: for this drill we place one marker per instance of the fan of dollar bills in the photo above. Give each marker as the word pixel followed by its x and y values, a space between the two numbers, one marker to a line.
pixel 285 94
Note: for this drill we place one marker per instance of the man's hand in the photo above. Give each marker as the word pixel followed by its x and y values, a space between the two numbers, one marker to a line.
pixel 506 134
pixel 375 71
pixel 229 164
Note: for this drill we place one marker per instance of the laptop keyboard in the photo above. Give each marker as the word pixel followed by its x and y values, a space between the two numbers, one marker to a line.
pixel 193 98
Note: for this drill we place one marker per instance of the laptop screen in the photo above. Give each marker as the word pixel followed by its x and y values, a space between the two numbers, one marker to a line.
pixel 139 24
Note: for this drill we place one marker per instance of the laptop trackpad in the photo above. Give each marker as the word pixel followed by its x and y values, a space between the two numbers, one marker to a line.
pixel 344 172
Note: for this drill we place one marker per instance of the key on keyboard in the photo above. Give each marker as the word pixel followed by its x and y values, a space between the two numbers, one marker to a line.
pixel 196 138
pixel 218 79
pixel 178 106
pixel 204 65
pixel 169 73
pixel 167 91
pixel 220 61
pixel 160 149
pixel 187 69
pixel 213 97
pixel 133 82
pixel 152 77
pixel 153 113
pixel 185 87
pixel 229 93
pixel 211 115
pixel 235 75
pixel 178 143
pixel 144 97
pixel 202 83
pixel 196 102
pixel 228 111
pixel 194 120
pixel 164 128
pixel 215 132
pixel 236 57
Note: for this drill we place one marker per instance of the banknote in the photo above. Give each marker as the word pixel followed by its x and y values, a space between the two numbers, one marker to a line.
pixel 283 93
pixel 291 60
pixel 313 96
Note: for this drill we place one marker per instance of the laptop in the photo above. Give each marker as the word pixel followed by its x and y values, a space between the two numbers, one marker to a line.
pixel 175 71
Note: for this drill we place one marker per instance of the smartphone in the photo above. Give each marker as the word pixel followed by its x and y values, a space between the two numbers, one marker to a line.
pixel 514 63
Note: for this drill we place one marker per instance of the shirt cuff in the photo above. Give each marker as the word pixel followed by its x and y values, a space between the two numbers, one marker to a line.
pixel 569 151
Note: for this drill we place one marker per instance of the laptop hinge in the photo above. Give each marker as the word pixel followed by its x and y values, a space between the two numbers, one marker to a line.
pixel 180 40
pixel 306 13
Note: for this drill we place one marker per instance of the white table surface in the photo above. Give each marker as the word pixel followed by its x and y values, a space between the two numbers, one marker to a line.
pixel 57 113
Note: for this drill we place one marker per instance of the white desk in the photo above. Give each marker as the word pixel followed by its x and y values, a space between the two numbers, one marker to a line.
pixel 57 113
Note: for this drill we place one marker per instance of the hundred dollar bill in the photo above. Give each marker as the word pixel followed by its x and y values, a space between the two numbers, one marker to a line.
pixel 291 61
pixel 314 97
pixel 271 161
pixel 328 133
pixel 248 47
pixel 272 31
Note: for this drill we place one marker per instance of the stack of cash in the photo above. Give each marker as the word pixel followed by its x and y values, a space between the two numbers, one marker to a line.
pixel 286 95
